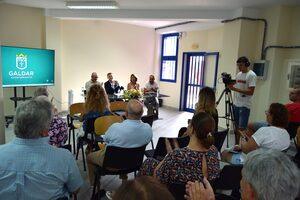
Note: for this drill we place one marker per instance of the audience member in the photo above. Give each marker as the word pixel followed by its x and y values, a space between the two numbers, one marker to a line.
pixel 199 159
pixel 207 103
pixel 30 168
pixel 143 188
pixel 91 82
pixel 96 104
pixel 111 86
pixel 267 174
pixel 293 109
pixel 58 130
pixel 133 83
pixel 131 133
pixel 272 137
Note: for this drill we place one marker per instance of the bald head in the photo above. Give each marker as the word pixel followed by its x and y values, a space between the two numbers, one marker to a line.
pixel 94 77
pixel 134 109
pixel 295 95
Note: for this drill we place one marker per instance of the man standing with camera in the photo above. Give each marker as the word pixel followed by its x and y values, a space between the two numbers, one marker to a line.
pixel 244 89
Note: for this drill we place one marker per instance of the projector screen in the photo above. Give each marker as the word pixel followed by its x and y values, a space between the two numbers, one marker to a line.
pixel 27 66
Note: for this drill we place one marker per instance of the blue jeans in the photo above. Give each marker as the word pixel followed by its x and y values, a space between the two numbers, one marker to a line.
pixel 241 116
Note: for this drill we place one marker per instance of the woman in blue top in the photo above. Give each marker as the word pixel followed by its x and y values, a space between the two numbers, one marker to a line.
pixel 96 104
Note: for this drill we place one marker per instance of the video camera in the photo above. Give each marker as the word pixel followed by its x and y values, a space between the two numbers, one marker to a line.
pixel 227 78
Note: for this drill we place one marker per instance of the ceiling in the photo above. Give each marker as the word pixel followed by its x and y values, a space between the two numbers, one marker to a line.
pixel 166 4
pixel 158 13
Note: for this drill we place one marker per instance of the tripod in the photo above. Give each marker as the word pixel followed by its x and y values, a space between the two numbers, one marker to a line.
pixel 229 116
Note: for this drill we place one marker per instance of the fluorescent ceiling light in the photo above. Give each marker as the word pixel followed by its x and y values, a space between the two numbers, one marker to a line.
pixel 92 4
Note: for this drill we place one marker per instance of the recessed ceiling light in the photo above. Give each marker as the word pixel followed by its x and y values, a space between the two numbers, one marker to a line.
pixel 92 4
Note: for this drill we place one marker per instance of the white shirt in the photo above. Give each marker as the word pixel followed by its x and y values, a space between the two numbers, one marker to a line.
pixel 90 83
pixel 151 86
pixel 272 137
pixel 243 82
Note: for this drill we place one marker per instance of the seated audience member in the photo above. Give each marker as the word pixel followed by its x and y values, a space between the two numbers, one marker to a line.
pixel 111 86
pixel 131 133
pixel 93 81
pixel 267 174
pixel 199 159
pixel 96 104
pixel 293 109
pixel 207 103
pixel 142 188
pixel 30 168
pixel 272 137
pixel 58 130
pixel 133 83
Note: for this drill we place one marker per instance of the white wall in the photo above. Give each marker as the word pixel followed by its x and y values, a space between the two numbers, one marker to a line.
pixel 20 26
pixel 102 46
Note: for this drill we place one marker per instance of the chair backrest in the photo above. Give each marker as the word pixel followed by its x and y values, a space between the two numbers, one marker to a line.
pixel 124 158
pixel 161 150
pixel 103 123
pixel 77 108
pixel 292 129
pixel 219 138
pixel 118 106
pixel 177 190
pixel 148 119
pixel 230 177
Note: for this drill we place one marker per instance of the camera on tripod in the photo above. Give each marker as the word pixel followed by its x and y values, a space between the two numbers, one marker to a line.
pixel 227 78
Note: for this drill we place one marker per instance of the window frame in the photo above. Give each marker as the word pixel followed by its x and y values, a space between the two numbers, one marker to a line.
pixel 169 58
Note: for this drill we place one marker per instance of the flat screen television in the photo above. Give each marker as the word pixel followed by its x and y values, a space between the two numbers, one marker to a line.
pixel 27 66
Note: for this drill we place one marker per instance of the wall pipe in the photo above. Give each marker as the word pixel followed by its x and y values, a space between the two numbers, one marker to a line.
pixel 254 19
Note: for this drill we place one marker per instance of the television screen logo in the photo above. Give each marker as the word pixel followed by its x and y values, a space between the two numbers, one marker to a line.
pixel 21 61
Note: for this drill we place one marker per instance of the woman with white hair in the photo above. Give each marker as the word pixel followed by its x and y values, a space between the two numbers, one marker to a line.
pixel 58 130
pixel 266 175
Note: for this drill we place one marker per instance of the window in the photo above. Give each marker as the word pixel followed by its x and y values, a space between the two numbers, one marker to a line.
pixel 169 51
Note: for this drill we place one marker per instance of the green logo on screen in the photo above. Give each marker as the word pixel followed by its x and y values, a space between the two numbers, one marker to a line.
pixel 21 61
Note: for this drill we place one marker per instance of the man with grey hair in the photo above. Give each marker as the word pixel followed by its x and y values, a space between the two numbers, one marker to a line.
pixel 131 133
pixel 91 82
pixel 267 174
pixel 30 168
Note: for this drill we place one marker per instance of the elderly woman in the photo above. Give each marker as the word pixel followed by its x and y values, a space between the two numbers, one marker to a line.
pixel 199 159
pixel 133 83
pixel 271 137
pixel 58 130
pixel 267 174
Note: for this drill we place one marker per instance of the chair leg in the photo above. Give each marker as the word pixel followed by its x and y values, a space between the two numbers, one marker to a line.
pixel 152 144
pixel 83 158
pixel 134 174
pixel 69 135
pixel 95 185
pixel 74 150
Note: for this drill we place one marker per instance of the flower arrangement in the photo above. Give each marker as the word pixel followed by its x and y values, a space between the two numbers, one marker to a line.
pixel 132 94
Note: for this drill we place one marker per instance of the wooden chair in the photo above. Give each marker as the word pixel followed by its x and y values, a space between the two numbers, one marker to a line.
pixel 76 111
pixel 103 123
pixel 118 106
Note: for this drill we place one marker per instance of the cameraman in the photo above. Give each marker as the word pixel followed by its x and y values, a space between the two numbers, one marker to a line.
pixel 244 89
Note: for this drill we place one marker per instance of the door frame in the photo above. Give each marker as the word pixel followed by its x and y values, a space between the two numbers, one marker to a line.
pixel 184 71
